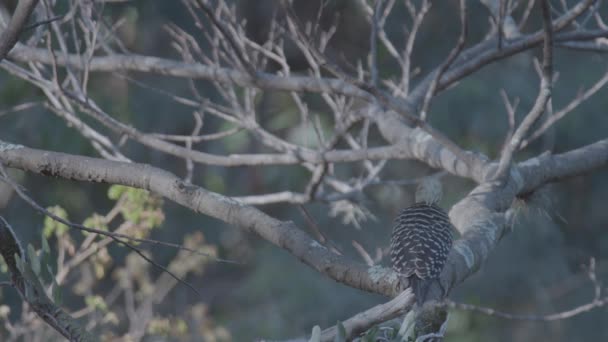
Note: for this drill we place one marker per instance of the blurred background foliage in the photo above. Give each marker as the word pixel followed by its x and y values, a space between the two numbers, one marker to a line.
pixel 538 268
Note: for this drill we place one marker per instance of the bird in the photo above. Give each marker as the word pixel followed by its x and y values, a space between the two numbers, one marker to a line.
pixel 421 239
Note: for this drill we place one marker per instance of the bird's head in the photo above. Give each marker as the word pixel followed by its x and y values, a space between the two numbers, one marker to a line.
pixel 429 191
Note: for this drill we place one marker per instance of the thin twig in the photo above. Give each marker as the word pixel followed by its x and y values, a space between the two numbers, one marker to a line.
pixel 448 62
pixel 511 109
pixel 543 98
pixel 374 43
pixel 6 178
pixel 599 84
pixel 597 302
pixel 113 236
pixel 42 22
pixel 363 253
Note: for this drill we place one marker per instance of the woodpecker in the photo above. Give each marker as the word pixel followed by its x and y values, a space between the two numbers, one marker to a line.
pixel 422 239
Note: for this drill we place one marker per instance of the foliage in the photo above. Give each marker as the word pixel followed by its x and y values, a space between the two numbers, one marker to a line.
pixel 84 262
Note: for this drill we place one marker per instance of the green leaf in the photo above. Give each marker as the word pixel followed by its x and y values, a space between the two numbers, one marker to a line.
pixel 3 265
pixel 96 221
pixel 19 263
pixel 45 246
pixel 47 273
pixel 56 293
pixel 370 335
pixel 51 226
pixel 316 334
pixel 46 269
pixel 96 302
pixel 34 260
pixel 115 191
pixel 341 334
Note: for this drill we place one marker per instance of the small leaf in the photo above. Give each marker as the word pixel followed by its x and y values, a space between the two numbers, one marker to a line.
pixel 51 226
pixel 370 335
pixel 45 246
pixel 96 221
pixel 34 260
pixel 47 274
pixel 3 265
pixel 45 260
pixel 56 293
pixel 96 302
pixel 316 334
pixel 341 334
pixel 19 263
pixel 115 191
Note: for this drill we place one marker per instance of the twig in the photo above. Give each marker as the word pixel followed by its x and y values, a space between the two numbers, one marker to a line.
pixel 398 105
pixel 435 336
pixel 418 17
pixel 5 178
pixel 19 107
pixel 220 25
pixel 31 290
pixel 597 302
pixel 370 317
pixel 511 109
pixel 526 14
pixel 10 35
pixel 42 22
pixel 364 254
pixel 501 19
pixel 114 236
pixel 543 98
pixel 599 84
pixel 373 39
pixel 448 62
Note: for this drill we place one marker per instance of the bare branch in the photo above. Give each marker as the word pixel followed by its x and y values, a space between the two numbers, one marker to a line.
pixel 370 317
pixel 484 53
pixel 10 35
pixel 283 234
pixel 599 84
pixel 409 45
pixel 511 109
pixel 448 62
pixel 594 304
pixel 551 168
pixel 543 98
pixel 465 258
pixel 374 43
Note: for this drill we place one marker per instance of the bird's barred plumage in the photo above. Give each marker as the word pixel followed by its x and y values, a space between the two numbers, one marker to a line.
pixel 420 243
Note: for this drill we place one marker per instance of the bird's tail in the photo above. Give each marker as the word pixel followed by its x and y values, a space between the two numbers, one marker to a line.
pixel 420 288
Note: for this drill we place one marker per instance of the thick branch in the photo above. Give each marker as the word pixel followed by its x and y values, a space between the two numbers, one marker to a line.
pixel 552 168
pixel 479 216
pixel 370 317
pixel 282 234
pixel 11 33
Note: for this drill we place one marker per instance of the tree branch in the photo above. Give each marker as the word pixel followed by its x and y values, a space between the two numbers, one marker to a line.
pixel 11 33
pixel 283 234
pixel 479 216
pixel 25 281
pixel 542 100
